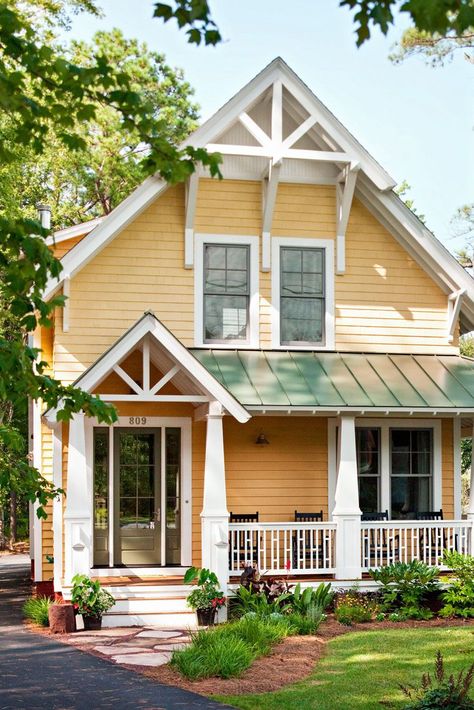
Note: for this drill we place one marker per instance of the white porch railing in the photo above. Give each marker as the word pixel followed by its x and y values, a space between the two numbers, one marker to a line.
pixel 383 543
pixel 282 548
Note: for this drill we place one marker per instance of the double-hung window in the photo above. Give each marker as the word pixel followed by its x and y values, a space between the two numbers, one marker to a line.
pixel 368 468
pixel 226 292
pixel 302 293
pixel 411 469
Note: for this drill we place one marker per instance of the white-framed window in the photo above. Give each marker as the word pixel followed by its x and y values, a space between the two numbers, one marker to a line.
pixel 399 465
pixel 302 293
pixel 226 290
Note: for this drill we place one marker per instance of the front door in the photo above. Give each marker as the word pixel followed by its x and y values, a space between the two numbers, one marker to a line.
pixel 138 505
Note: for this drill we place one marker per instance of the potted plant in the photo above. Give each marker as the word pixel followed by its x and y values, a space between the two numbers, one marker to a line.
pixel 207 597
pixel 90 600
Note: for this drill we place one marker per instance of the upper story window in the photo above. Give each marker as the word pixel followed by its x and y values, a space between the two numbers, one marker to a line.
pixel 226 292
pixel 226 299
pixel 302 293
pixel 302 302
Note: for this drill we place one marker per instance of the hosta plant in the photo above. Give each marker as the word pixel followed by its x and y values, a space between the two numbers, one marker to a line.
pixel 404 587
pixel 458 598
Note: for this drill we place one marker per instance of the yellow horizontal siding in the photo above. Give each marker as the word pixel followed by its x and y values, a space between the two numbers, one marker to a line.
pixel 447 467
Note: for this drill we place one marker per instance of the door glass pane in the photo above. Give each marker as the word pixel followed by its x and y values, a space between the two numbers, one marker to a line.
pixel 128 512
pixel 173 496
pixel 145 481
pixel 145 513
pixel 101 496
pixel 128 481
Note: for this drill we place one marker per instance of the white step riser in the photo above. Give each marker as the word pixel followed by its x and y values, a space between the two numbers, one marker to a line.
pixel 137 606
pixel 167 621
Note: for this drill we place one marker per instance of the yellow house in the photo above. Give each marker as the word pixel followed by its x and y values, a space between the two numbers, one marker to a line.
pixel 280 345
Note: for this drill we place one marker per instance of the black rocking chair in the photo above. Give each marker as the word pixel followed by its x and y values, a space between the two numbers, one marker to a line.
pixel 436 539
pixel 378 547
pixel 308 542
pixel 241 539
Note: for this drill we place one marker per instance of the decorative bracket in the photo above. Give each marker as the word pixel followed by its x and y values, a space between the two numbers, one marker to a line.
pixel 454 308
pixel 190 211
pixel 344 196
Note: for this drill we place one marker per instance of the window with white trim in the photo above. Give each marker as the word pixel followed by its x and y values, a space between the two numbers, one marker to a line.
pixel 411 471
pixel 226 292
pixel 368 468
pixel 302 293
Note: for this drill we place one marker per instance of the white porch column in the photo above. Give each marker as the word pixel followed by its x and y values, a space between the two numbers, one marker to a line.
pixel 346 512
pixel 215 516
pixel 78 514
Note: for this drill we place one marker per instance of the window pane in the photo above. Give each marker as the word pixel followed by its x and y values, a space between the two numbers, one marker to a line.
pixel 236 282
pixel 313 260
pixel 146 449
pixel 401 463
pixel 145 481
pixel 291 260
pixel 421 440
pixel 313 284
pixel 421 463
pixel 225 317
pixel 409 495
pixel 369 494
pixel 291 283
pixel 128 448
pixel 101 496
pixel 214 257
pixel 128 512
pixel 401 440
pixel 215 281
pixel 145 518
pixel 128 481
pixel 237 257
pixel 301 320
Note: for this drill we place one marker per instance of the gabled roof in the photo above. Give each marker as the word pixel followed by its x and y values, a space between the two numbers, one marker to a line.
pixel 76 230
pixel 335 381
pixel 374 185
pixel 149 325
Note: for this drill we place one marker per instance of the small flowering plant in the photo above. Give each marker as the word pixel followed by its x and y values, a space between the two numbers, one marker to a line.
pixel 88 597
pixel 207 594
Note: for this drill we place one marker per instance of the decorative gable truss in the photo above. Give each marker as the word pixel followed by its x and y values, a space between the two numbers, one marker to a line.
pixel 281 135
pixel 148 364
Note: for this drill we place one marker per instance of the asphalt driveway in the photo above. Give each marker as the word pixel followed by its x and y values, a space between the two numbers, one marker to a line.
pixel 39 673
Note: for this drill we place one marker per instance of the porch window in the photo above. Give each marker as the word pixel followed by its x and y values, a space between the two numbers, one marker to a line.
pixel 411 471
pixel 368 468
pixel 302 295
pixel 226 292
pixel 101 496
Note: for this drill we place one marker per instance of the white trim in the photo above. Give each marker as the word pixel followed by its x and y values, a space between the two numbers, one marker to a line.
pixel 454 308
pixel 332 465
pixel 329 326
pixel 269 189
pixel 192 186
pixel 77 230
pixel 387 411
pixel 149 324
pixel 58 506
pixel 37 463
pixel 385 425
pixel 67 303
pixel 254 307
pixel 457 467
pixel 183 423
pixel 166 378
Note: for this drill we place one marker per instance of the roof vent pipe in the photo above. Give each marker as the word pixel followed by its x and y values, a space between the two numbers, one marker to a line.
pixel 44 215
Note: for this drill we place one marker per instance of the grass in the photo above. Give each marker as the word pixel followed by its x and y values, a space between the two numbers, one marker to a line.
pixel 361 671
pixel 36 609
pixel 227 651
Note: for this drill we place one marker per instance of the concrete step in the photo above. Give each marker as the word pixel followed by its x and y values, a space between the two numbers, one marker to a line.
pixel 165 619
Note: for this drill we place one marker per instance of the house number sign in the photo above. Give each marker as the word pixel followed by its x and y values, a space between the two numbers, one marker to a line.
pixel 137 420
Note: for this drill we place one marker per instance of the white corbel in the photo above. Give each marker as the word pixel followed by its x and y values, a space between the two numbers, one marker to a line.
pixel 269 189
pixel 190 212
pixel 344 196
pixel 454 308
pixel 66 308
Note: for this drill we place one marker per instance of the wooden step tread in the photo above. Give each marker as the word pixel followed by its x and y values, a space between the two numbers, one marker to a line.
pixel 145 581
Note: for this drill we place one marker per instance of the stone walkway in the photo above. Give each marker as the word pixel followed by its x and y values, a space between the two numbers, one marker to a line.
pixel 130 646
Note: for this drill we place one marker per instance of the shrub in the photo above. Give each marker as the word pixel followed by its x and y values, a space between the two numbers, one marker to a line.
pixel 306 624
pixel 458 598
pixel 213 653
pixel 36 609
pixel 355 607
pixel 207 594
pixel 449 693
pixel 404 587
pixel 247 600
pixel 320 597
pixel 349 615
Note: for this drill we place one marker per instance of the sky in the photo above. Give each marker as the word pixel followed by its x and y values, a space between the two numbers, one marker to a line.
pixel 417 121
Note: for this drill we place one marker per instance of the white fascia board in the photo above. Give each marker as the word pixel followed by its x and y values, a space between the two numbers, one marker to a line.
pixel 77 230
pixel 117 220
pixel 422 245
pixel 149 324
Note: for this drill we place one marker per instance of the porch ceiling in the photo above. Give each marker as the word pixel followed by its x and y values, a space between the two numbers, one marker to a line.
pixel 336 380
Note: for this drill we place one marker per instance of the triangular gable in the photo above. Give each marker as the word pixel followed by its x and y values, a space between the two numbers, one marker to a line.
pixel 158 338
pixel 310 135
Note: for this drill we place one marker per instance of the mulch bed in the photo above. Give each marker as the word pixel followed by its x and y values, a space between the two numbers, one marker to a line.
pixel 291 660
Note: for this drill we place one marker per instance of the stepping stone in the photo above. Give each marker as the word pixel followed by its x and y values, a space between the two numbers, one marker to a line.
pixel 143 659
pixel 158 634
pixel 114 632
pixel 80 638
pixel 117 649
pixel 175 647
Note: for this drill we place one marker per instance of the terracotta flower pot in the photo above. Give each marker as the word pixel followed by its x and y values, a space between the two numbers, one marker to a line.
pixel 92 623
pixel 206 617
pixel 61 619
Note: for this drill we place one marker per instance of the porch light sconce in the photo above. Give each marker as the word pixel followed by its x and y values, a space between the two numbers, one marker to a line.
pixel 261 439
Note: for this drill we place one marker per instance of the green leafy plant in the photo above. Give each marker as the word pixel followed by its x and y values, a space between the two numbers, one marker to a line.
pixel 451 692
pixel 355 607
pixel 458 598
pixel 36 609
pixel 406 586
pixel 307 623
pixel 349 615
pixel 89 598
pixel 207 594
pixel 310 598
pixel 247 600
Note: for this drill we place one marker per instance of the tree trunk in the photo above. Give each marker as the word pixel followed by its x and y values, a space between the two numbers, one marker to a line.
pixel 13 507
pixel 2 530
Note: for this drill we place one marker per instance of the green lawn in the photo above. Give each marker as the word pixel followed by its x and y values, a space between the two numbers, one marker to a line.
pixel 362 669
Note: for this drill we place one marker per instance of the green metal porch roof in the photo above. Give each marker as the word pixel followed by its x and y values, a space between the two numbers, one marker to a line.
pixel 327 380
